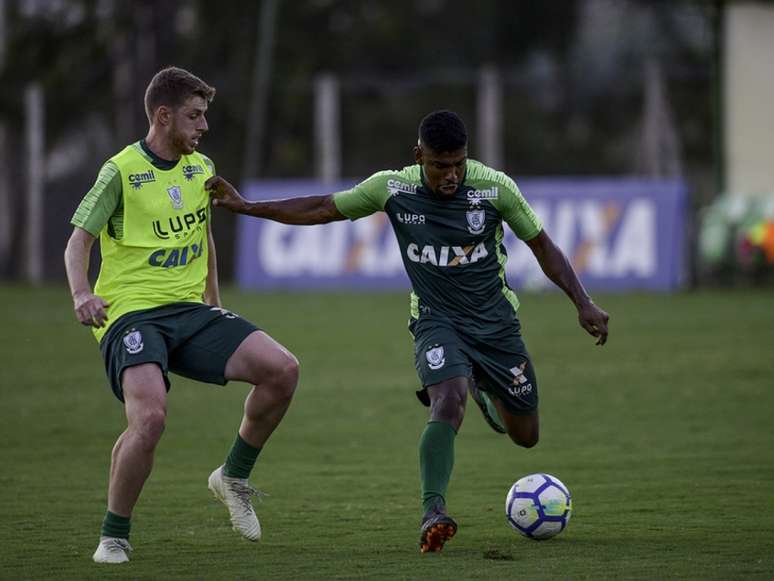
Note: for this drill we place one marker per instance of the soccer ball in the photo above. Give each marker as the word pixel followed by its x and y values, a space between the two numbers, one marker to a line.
pixel 538 506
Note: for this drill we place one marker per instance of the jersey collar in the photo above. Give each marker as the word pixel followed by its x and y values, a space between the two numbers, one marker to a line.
pixel 156 161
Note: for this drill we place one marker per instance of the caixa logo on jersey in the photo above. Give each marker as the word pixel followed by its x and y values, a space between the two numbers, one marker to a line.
pixel 174 257
pixel 180 225
pixel 446 256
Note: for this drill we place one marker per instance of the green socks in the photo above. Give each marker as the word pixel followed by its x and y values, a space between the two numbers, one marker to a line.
pixel 241 459
pixel 436 460
pixel 115 526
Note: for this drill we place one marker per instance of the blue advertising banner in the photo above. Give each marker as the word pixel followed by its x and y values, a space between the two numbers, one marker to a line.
pixel 619 234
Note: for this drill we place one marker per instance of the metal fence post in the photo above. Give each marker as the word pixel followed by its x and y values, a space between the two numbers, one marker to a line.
pixel 327 128
pixel 33 234
pixel 490 117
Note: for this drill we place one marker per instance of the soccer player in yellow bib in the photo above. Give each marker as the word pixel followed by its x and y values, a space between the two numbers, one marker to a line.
pixel 156 307
pixel 447 212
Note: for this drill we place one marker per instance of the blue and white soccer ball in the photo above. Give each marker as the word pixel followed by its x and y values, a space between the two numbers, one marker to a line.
pixel 538 506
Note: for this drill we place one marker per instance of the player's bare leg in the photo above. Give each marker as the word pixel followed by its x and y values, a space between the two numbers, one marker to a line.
pixel 436 454
pixel 145 398
pixel 145 406
pixel 273 371
pixel 524 430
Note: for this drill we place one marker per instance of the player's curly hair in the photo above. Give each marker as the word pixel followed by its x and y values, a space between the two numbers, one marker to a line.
pixel 443 131
pixel 171 87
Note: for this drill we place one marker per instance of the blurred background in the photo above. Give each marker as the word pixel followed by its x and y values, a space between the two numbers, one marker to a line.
pixel 663 105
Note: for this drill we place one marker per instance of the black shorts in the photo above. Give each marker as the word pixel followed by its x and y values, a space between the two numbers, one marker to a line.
pixel 501 367
pixel 190 339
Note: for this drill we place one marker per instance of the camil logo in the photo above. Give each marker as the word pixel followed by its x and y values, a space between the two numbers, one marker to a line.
pixel 136 180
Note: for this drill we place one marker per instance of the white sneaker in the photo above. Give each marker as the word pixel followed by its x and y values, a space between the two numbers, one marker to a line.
pixel 235 493
pixel 112 550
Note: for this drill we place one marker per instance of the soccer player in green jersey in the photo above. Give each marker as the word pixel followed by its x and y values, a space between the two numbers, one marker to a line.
pixel 156 308
pixel 447 212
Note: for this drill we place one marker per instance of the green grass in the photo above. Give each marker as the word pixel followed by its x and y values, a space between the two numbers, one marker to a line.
pixel 665 437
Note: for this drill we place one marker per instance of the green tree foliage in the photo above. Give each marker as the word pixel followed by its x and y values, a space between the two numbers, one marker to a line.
pixel 572 75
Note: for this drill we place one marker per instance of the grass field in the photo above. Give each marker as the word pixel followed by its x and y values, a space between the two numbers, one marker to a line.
pixel 665 437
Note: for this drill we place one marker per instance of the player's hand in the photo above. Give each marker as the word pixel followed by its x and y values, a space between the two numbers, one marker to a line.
pixel 90 310
pixel 594 320
pixel 225 195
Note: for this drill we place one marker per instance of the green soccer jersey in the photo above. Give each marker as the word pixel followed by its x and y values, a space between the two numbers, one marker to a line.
pixel 152 219
pixel 452 247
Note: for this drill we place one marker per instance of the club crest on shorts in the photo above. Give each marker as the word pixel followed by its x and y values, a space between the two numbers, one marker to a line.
pixel 435 357
pixel 476 221
pixel 133 342
pixel 176 195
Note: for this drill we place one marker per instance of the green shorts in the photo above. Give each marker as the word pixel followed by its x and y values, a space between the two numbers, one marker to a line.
pixel 501 367
pixel 190 339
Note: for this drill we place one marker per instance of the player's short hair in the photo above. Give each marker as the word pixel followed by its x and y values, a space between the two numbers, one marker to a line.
pixel 171 87
pixel 443 131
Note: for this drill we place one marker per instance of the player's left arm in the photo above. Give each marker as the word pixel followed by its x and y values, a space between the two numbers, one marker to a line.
pixel 557 267
pixel 211 289
pixel 515 210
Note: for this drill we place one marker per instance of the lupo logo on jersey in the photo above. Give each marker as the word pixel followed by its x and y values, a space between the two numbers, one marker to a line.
pixel 138 179
pixel 409 218
pixel 178 225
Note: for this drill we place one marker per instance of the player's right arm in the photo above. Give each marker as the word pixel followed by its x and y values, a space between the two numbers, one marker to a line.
pixel 94 212
pixel 305 210
pixel 89 308
pixel 362 200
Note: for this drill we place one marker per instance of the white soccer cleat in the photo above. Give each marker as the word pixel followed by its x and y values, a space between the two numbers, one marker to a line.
pixel 235 493
pixel 112 550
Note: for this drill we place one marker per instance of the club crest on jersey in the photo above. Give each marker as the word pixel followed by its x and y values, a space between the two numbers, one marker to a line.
pixel 133 342
pixel 435 357
pixel 476 221
pixel 176 195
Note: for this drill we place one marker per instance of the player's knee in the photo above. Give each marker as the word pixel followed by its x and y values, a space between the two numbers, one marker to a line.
pixel 525 439
pixel 530 442
pixel 449 406
pixel 149 426
pixel 283 376
pixel 288 376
